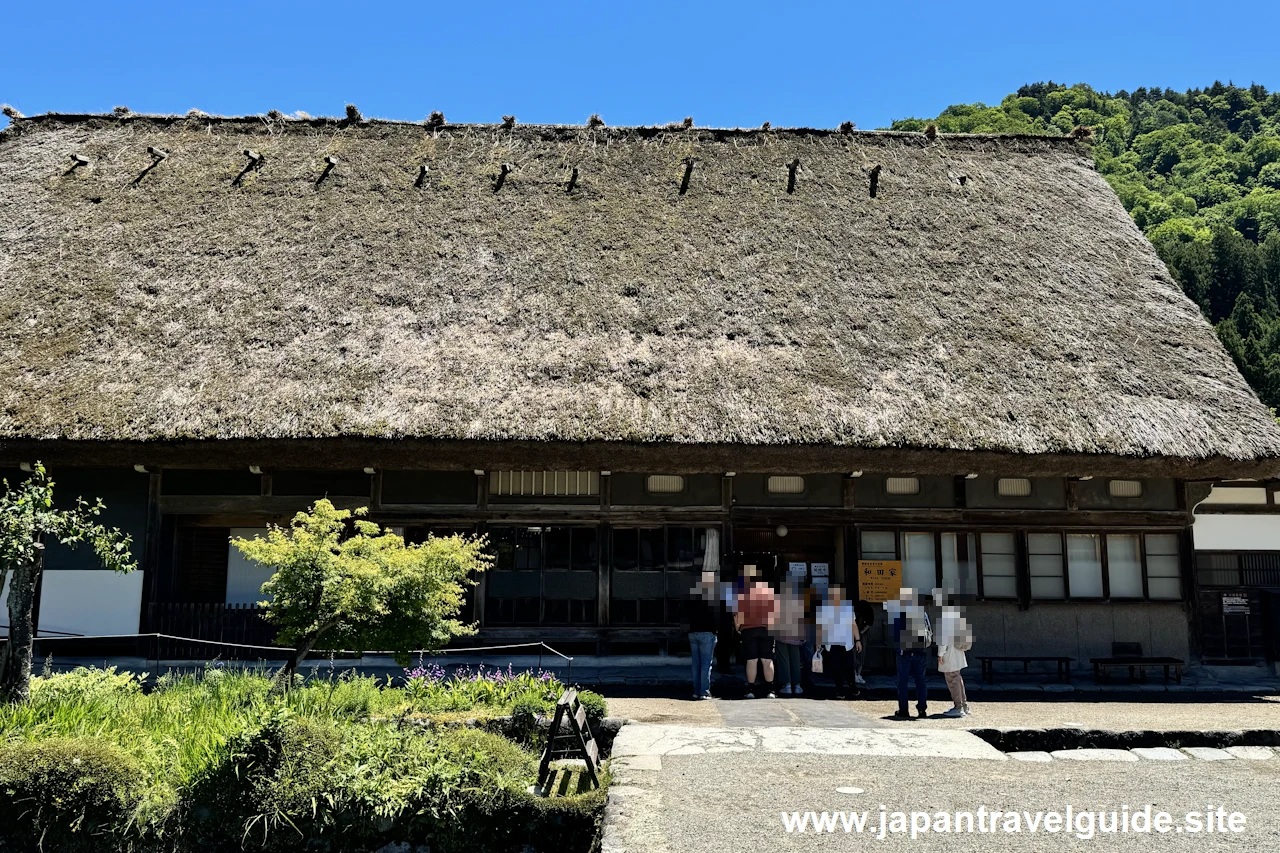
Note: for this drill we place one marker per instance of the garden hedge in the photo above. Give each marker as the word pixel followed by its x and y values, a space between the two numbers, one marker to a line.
pixel 219 763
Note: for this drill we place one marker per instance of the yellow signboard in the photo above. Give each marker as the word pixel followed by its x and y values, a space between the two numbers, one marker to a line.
pixel 879 580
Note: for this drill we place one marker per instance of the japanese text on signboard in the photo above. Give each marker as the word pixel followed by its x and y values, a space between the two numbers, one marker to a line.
pixel 879 580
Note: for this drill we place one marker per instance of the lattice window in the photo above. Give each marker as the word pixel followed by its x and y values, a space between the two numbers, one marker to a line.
pixel 544 483
pixel 902 485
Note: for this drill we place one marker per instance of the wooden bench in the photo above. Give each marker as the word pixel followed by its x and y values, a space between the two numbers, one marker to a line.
pixel 1137 666
pixel 988 670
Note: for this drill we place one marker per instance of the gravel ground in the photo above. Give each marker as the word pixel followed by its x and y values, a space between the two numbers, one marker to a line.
pixel 1161 714
pixel 739 799
pixel 649 709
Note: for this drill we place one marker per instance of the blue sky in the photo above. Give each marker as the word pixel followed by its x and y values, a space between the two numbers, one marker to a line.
pixel 791 63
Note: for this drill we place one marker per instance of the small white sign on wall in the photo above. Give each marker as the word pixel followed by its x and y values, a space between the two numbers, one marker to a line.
pixel 796 570
pixel 821 570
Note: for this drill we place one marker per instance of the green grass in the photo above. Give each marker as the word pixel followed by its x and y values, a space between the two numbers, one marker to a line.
pixel 204 761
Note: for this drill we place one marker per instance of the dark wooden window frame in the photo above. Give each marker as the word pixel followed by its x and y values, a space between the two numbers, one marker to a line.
pixel 542 572
pixel 1259 580
pixel 1022 556
pixel 665 527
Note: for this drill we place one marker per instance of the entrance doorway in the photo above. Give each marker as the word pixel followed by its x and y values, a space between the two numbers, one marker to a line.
pixel 781 552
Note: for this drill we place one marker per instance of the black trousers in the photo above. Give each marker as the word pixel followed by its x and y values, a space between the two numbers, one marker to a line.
pixel 838 662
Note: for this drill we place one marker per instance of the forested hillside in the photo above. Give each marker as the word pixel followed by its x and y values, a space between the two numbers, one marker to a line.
pixel 1199 171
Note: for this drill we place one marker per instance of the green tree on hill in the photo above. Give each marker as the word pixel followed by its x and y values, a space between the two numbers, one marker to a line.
pixel 1199 172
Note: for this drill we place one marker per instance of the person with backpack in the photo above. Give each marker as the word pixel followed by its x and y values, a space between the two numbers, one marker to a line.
pixel 912 637
pixel 955 637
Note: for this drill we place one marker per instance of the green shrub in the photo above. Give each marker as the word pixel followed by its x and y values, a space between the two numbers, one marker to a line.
pixel 218 761
pixel 84 683
pixel 266 789
pixel 597 707
pixel 524 719
pixel 66 794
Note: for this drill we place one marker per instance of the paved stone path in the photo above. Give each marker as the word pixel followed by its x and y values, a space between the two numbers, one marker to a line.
pixel 792 712
pixel 642 740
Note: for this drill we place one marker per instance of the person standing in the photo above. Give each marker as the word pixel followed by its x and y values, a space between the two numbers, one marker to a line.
pixel 730 644
pixel 756 611
pixel 789 630
pixel 838 633
pixel 954 638
pixel 912 636
pixel 703 612
pixel 864 616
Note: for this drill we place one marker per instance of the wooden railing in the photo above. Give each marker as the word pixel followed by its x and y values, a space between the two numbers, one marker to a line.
pixel 223 623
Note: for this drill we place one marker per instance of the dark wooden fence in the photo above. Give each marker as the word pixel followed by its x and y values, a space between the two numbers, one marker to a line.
pixel 224 623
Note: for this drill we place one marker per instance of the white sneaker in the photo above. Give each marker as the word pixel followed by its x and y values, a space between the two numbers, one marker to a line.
pixel 953 713
pixel 749 696
pixel 858 679
pixel 967 709
pixel 771 696
pixel 786 690
pixel 797 691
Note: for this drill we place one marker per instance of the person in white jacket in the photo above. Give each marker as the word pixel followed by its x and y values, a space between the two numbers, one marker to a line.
pixel 954 637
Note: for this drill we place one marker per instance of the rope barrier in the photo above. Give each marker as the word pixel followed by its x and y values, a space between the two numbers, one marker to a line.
pixel 288 651
pixel 46 631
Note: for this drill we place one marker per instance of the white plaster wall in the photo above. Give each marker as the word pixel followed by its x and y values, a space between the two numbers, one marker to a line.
pixel 245 577
pixel 90 602
pixel 1236 495
pixel 1236 532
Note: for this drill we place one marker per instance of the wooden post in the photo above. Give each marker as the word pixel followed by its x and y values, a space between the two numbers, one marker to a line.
pixel 482 585
pixel 1073 497
pixel 1022 568
pixel 604 555
pixel 151 544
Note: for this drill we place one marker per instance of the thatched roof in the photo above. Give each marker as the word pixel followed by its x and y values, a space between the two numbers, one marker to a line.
pixel 992 297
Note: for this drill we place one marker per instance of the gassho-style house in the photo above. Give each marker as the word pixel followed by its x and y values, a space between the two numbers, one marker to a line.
pixel 624 354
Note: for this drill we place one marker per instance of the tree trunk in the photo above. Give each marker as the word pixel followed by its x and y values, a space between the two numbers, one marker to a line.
pixel 299 655
pixel 15 665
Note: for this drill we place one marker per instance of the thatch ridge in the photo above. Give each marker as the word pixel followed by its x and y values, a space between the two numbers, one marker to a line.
pixel 266 123
pixel 994 297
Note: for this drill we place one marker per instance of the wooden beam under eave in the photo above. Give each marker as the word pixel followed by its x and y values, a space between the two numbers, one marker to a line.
pixel 673 458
